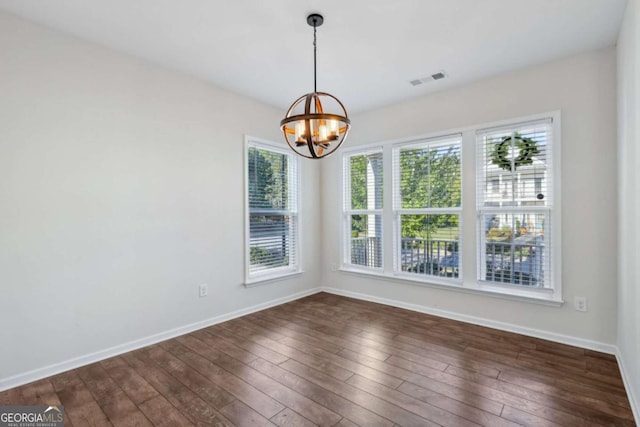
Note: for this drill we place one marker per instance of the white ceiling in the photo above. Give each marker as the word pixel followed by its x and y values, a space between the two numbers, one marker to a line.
pixel 368 50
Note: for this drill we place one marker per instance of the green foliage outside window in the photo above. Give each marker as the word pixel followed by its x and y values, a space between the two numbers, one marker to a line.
pixel 267 179
pixel 430 178
pixel 268 182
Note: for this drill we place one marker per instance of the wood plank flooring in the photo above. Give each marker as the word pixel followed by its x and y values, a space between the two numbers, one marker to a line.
pixel 333 361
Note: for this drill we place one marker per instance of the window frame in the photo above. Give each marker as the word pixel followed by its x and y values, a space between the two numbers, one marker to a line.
pixel 348 211
pixel 398 210
pixel 469 282
pixel 551 213
pixel 271 274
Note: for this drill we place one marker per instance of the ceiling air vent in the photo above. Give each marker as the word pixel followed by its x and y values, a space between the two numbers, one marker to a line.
pixel 436 76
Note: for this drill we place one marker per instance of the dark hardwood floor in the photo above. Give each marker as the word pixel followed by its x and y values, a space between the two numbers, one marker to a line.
pixel 329 360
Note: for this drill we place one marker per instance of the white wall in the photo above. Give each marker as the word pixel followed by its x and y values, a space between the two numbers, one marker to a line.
pixel 584 89
pixel 121 190
pixel 629 199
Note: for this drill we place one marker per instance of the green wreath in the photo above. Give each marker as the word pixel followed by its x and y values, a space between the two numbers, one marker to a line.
pixel 528 149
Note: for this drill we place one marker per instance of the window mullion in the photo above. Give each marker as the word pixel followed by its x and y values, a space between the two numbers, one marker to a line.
pixel 365 211
pixel 388 219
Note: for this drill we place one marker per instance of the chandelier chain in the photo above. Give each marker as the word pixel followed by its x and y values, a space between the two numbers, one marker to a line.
pixel 315 87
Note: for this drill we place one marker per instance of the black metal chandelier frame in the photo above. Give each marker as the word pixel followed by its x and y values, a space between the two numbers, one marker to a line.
pixel 315 130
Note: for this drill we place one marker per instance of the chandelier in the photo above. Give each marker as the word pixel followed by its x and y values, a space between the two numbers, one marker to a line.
pixel 316 123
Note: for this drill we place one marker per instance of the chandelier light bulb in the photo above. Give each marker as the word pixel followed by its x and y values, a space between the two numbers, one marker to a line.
pixel 300 132
pixel 333 128
pixel 322 134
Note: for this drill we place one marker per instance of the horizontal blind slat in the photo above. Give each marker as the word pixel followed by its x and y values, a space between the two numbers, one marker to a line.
pixel 363 193
pixel 514 202
pixel 272 199
pixel 544 121
pixel 427 204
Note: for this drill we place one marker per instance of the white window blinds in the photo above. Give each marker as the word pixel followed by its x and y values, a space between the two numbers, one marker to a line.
pixel 363 208
pixel 427 206
pixel 514 203
pixel 272 210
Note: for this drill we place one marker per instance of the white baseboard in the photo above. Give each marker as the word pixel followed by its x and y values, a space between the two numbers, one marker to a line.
pixel 633 399
pixel 509 327
pixel 47 371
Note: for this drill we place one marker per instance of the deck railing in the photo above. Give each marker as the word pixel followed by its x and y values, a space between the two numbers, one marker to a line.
pixel 517 263
pixel 434 257
pixel 366 251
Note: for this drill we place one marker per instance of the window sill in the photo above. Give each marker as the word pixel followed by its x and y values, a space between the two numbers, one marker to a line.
pixel 266 278
pixel 536 296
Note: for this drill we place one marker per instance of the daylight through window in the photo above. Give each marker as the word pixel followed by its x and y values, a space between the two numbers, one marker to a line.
pixel 514 223
pixel 272 211
pixel 363 209
pixel 427 206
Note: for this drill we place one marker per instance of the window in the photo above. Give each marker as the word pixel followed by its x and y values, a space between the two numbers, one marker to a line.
pixel 363 184
pixel 272 211
pixel 427 207
pixel 514 226
pixel 500 237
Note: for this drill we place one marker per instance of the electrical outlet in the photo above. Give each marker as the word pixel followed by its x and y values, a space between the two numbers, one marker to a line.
pixel 203 290
pixel 580 303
